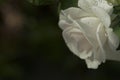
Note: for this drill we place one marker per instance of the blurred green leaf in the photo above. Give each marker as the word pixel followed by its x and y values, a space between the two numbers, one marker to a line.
pixel 41 2
pixel 11 70
pixel 2 1
pixel 117 9
pixel 117 31
pixel 68 3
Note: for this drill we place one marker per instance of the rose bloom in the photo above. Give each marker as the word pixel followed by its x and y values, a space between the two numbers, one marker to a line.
pixel 87 32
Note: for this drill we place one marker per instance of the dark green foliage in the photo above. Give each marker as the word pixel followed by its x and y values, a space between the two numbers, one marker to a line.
pixel 68 3
pixel 37 51
pixel 42 2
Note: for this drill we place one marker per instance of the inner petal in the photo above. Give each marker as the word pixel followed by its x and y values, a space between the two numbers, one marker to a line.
pixel 89 25
pixel 77 42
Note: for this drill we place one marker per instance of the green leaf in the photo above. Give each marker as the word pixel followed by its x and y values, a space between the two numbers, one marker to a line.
pixel 117 31
pixel 41 2
pixel 117 10
pixel 68 3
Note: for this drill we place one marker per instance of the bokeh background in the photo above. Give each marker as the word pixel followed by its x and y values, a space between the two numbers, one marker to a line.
pixel 32 47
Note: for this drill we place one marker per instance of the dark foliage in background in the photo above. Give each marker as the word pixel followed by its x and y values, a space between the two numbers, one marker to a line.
pixel 32 48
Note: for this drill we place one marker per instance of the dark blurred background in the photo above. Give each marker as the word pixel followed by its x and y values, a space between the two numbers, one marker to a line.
pixel 32 47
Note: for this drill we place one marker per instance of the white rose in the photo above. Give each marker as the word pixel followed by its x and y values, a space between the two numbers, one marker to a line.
pixel 87 32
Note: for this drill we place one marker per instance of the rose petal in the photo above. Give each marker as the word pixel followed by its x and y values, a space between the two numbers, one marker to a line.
pixel 68 16
pixel 92 64
pixel 77 42
pixel 91 22
pixel 112 38
pixel 86 5
pixel 105 5
pixel 64 24
pixel 102 15
pixel 89 26
pixel 111 54
pixel 69 23
pixel 101 38
pixel 76 13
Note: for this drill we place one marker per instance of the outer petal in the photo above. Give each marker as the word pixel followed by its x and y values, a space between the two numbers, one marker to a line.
pixel 111 54
pixel 68 16
pixel 77 42
pixel 99 52
pixel 111 45
pixel 102 15
pixel 104 5
pixel 92 63
pixel 86 5
pixel 68 22
pixel 113 39
pixel 101 38
pixel 76 13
